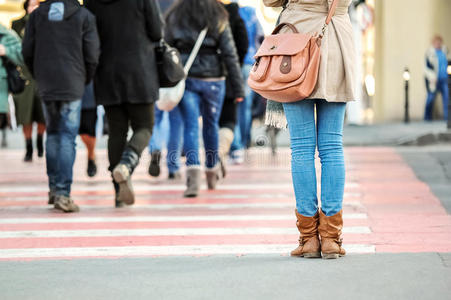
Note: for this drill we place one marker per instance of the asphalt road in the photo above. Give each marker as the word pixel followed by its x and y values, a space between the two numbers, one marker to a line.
pixel 378 276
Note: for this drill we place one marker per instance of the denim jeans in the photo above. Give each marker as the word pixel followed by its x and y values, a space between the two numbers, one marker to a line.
pixel 202 98
pixel 244 115
pixel 171 136
pixel 442 87
pixel 306 136
pixel 63 122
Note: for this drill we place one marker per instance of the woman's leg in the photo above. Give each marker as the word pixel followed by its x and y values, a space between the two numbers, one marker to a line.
pixel 301 123
pixel 175 143
pixel 28 133
pixel 330 119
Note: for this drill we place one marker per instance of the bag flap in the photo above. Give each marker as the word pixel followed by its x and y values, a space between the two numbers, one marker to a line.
pixel 283 44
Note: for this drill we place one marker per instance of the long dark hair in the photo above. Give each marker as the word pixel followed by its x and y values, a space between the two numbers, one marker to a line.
pixel 197 14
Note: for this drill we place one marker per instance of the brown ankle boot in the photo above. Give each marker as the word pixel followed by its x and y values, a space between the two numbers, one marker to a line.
pixel 309 245
pixel 330 232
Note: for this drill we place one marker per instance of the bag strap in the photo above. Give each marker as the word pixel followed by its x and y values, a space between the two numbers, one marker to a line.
pixel 195 51
pixel 331 13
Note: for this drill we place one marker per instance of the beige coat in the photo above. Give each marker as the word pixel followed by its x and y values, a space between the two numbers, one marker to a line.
pixel 336 79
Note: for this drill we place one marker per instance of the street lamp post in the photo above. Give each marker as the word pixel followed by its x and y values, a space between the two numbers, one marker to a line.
pixel 406 77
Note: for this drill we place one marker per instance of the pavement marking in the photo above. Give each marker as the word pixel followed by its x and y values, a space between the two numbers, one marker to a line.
pixel 137 187
pixel 213 206
pixel 50 220
pixel 164 232
pixel 141 251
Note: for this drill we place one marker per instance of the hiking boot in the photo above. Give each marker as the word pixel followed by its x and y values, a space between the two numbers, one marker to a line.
pixel 92 168
pixel 192 181
pixel 66 204
pixel 330 229
pixel 309 246
pixel 122 175
pixel 154 167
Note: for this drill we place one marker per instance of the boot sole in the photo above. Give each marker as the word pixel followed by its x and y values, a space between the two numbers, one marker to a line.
pixel 125 194
pixel 190 195
pixel 312 255
pixel 331 256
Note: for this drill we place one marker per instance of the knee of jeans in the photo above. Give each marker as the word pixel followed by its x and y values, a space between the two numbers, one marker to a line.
pixel 303 147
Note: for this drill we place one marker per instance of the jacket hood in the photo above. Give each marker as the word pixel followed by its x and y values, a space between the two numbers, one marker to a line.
pixel 70 7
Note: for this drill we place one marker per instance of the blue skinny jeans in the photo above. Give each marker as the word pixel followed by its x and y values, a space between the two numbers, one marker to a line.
pixel 306 136
pixel 202 98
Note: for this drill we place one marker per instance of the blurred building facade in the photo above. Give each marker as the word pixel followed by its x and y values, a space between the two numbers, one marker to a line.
pixel 390 36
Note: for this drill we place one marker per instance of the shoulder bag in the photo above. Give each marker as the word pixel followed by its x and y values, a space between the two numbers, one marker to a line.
pixel 170 97
pixel 286 65
pixel 16 84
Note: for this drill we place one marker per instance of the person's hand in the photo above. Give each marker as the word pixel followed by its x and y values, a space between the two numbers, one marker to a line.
pixel 2 50
pixel 238 100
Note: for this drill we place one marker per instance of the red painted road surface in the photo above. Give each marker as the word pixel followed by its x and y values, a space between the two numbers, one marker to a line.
pixel 386 209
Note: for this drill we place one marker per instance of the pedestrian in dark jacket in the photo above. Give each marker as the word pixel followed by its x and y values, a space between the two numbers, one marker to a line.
pixel 27 104
pixel 227 120
pixel 126 82
pixel 205 86
pixel 61 50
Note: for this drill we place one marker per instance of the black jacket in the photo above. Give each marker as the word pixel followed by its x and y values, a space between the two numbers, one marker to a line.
pixel 239 30
pixel 61 55
pixel 127 71
pixel 217 56
pixel 239 33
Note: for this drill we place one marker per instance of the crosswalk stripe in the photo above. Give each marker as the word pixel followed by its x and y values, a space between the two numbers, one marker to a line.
pixel 98 187
pixel 142 251
pixel 161 219
pixel 164 232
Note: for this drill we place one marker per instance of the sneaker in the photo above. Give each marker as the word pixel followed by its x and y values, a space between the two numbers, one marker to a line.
pixel 237 157
pixel 92 168
pixel 175 176
pixel 66 204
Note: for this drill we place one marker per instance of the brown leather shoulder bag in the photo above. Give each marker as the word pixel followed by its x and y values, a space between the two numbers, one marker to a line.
pixel 286 65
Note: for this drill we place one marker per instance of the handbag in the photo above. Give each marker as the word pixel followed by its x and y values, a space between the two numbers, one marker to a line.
pixel 16 84
pixel 286 65
pixel 169 65
pixel 170 97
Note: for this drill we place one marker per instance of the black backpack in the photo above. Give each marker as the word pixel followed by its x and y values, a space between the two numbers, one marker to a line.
pixel 16 84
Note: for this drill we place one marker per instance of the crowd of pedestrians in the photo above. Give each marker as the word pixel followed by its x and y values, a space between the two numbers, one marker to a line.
pixel 75 57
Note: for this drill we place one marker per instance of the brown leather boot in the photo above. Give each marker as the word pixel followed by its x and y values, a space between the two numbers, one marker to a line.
pixel 309 245
pixel 330 232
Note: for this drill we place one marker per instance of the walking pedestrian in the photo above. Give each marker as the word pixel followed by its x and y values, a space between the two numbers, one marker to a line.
pixel 436 76
pixel 126 82
pixel 242 138
pixel 335 87
pixel 10 49
pixel 227 121
pixel 170 135
pixel 27 104
pixel 87 129
pixel 61 50
pixel 205 86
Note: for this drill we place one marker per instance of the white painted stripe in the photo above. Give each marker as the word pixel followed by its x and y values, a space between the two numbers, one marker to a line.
pixel 198 218
pixel 139 187
pixel 163 232
pixel 164 251
pixel 219 206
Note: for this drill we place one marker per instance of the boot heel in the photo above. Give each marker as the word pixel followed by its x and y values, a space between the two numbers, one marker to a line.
pixel 331 256
pixel 312 255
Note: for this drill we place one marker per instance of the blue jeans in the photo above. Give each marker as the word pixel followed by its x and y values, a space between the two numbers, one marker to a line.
pixel 244 115
pixel 63 122
pixel 305 137
pixel 442 87
pixel 173 142
pixel 202 98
